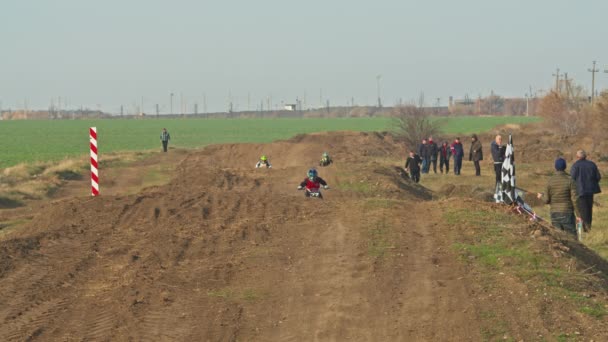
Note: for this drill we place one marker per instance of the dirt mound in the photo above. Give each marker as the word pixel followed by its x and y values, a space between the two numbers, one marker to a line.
pixel 226 252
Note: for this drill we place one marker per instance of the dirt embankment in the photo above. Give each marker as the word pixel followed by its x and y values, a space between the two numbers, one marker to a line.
pixel 225 252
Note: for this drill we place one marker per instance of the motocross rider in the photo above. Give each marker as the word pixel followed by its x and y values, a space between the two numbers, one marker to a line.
pixel 263 161
pixel 325 159
pixel 312 183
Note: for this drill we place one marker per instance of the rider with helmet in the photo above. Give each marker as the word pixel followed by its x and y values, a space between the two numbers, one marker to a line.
pixel 312 183
pixel 325 159
pixel 263 161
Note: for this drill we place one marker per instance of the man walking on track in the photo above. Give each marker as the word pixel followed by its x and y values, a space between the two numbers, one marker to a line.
pixel 164 138
pixel 587 177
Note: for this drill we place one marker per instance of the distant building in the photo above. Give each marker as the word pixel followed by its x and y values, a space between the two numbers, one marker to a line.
pixel 290 107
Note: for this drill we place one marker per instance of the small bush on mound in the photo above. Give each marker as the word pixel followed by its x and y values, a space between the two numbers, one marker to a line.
pixel 9 203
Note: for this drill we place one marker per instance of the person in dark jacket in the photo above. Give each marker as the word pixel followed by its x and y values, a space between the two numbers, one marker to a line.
pixel 444 157
pixel 412 165
pixel 587 178
pixel 164 139
pixel 561 195
pixel 458 153
pixel 424 153
pixel 433 151
pixel 475 154
pixel 498 156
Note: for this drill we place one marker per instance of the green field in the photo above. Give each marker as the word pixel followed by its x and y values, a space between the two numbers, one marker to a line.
pixel 43 140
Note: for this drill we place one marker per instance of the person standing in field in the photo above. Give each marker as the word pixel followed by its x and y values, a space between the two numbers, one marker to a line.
pixel 458 153
pixel 498 156
pixel 587 178
pixel 164 139
pixel 433 152
pixel 444 157
pixel 561 195
pixel 423 152
pixel 475 154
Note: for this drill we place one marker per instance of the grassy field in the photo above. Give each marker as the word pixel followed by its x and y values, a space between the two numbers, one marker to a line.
pixel 44 140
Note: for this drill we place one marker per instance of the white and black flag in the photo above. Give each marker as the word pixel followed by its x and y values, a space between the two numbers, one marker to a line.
pixel 509 195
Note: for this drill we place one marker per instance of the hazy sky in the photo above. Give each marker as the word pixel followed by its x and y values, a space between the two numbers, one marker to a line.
pixel 112 52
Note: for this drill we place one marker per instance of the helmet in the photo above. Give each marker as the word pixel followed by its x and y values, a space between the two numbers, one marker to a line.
pixel 312 174
pixel 325 154
pixel 263 158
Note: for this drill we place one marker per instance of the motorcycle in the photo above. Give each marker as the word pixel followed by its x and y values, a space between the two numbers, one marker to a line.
pixel 314 193
pixel 325 162
pixel 263 165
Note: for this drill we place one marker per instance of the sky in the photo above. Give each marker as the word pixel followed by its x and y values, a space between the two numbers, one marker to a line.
pixel 113 53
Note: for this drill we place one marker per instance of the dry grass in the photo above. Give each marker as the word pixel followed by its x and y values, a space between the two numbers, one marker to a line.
pixel 40 180
pixel 532 177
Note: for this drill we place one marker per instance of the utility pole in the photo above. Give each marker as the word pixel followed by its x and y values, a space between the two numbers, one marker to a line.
pixel 593 70
pixel 171 105
pixel 378 77
pixel 204 103
pixel 556 81
pixel 157 111
pixel 122 110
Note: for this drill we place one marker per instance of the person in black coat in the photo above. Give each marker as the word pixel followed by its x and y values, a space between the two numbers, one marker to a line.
pixel 498 156
pixel 444 157
pixel 587 178
pixel 425 155
pixel 458 153
pixel 412 165
pixel 433 152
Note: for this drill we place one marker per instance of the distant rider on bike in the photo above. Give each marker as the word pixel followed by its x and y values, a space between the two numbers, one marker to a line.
pixel 325 159
pixel 263 161
pixel 312 183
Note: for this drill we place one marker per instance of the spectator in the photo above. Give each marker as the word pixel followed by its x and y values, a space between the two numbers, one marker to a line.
pixel 164 138
pixel 587 178
pixel 412 165
pixel 561 195
pixel 444 157
pixel 498 156
pixel 423 152
pixel 475 154
pixel 458 153
pixel 433 152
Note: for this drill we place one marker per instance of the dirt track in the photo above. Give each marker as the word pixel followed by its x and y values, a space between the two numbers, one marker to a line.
pixel 228 253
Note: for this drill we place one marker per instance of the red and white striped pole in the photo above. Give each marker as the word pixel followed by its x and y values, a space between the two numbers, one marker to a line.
pixel 94 171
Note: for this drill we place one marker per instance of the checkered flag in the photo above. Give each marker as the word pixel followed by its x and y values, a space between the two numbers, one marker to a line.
pixel 508 175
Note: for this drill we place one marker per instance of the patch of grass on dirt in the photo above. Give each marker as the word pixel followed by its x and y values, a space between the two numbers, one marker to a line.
pixel 491 244
pixel 249 295
pixel 380 203
pixel 379 242
pixel 356 186
pixel 157 175
pixel 7 226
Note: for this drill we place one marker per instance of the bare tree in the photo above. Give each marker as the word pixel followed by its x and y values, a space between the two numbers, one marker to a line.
pixel 560 112
pixel 413 125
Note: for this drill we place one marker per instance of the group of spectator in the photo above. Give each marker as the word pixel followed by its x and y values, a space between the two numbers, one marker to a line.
pixel 428 153
pixel 570 195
